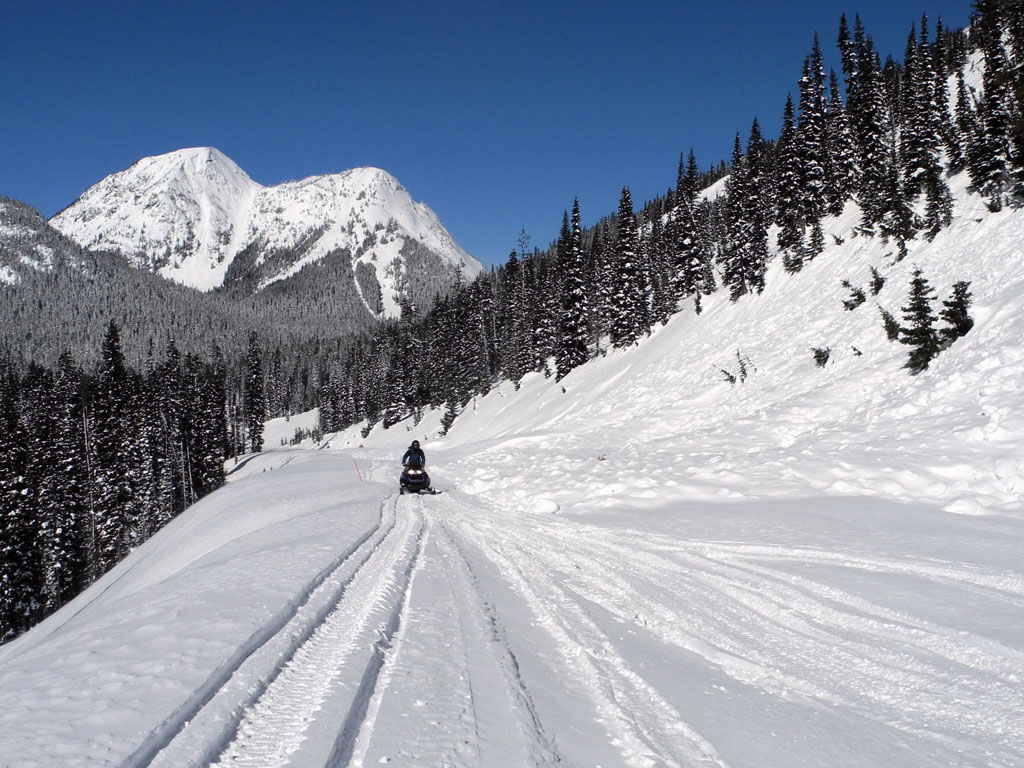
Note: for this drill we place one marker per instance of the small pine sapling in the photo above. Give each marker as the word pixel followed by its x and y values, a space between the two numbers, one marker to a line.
pixel 918 331
pixel 892 328
pixel 954 314
pixel 817 244
pixel 857 296
pixel 450 414
pixel 821 355
pixel 877 282
pixel 745 365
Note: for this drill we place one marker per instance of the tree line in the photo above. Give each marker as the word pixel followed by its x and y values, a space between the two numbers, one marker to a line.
pixel 883 136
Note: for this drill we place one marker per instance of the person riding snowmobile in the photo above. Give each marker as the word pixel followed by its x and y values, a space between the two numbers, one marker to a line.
pixel 414 456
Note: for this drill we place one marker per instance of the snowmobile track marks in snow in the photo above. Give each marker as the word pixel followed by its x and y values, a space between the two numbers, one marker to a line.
pixel 641 724
pixel 295 720
pixel 206 723
pixel 450 693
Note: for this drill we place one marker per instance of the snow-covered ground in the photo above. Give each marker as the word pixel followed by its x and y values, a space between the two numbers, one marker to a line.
pixel 640 565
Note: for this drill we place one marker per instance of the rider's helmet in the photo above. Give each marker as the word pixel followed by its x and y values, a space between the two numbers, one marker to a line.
pixel 415 443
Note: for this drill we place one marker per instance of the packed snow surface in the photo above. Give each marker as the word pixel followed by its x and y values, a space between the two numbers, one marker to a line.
pixel 639 565
pixel 187 214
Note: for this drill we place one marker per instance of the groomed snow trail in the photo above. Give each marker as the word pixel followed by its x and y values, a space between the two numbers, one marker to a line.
pixel 642 726
pixel 205 722
pixel 462 632
pixel 296 720
pixel 451 694
pixel 773 621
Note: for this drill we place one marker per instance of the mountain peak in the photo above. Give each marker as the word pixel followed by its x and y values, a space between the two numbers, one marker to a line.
pixel 188 213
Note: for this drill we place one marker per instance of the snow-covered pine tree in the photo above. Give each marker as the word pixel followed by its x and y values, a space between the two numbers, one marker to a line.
pixel 789 209
pixel 949 136
pixel 663 299
pixel 760 206
pixel 255 402
pixel 870 120
pixel 50 518
pixel 113 445
pixel 896 217
pixel 811 137
pixel 518 350
pixel 628 298
pixel 841 151
pixel 73 471
pixel 573 349
pixel 966 121
pixel 19 566
pixel 918 328
pixel 545 314
pixel 988 159
pixel 955 313
pixel 210 423
pixel 735 270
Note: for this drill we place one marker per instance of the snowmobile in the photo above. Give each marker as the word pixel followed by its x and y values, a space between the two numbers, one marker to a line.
pixel 415 479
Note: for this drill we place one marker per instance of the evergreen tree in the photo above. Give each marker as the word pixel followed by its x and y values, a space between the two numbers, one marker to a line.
pixel 574 330
pixel 735 270
pixel 870 119
pixel 113 446
pixel 628 299
pixel 789 214
pixel 966 123
pixel 685 242
pixel 842 151
pixel 918 328
pixel 950 138
pixel 811 137
pixel 896 218
pixel 989 157
pixel 955 313
pixel 545 315
pixel 19 566
pixel 519 347
pixel 255 403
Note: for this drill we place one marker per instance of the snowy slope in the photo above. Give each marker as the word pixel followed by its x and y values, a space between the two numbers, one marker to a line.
pixel 23 243
pixel 188 214
pixel 639 565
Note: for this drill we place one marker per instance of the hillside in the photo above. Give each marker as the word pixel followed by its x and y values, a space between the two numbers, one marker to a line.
pixel 640 564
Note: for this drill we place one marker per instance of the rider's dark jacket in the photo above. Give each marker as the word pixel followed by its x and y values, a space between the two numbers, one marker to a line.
pixel 414 456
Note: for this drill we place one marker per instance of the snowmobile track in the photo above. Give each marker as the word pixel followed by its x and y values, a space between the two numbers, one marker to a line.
pixel 294 720
pixel 207 720
pixel 477 712
pixel 644 727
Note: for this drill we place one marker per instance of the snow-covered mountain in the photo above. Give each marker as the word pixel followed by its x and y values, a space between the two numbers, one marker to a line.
pixel 27 243
pixel 640 564
pixel 191 214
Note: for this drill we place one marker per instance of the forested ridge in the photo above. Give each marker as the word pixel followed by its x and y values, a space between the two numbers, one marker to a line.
pixel 138 441
pixel 885 136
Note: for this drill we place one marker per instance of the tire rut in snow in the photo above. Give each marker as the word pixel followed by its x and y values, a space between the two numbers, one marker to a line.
pixel 331 675
pixel 643 727
pixel 200 728
pixel 790 635
pixel 450 693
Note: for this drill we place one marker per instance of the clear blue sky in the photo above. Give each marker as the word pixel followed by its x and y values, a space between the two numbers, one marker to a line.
pixel 494 114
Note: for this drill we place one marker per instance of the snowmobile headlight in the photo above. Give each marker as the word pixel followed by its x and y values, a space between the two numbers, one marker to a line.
pixel 415 471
